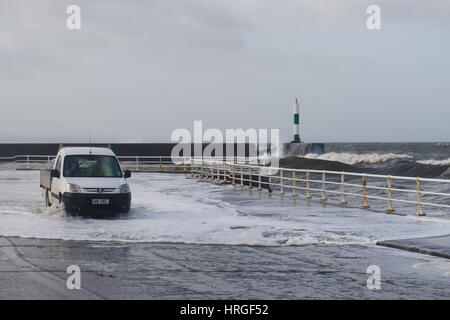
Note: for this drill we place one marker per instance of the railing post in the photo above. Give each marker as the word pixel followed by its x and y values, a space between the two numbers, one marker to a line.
pixel 294 193
pixel 206 171
pixel 419 200
pixel 250 178
pixel 202 170
pixel 192 167
pixel 242 177
pixel 308 195
pixel 259 180
pixel 323 198
pixel 233 181
pixel 281 181
pixel 364 204
pixel 270 184
pixel 224 172
pixel 389 209
pixel 342 189
pixel 160 164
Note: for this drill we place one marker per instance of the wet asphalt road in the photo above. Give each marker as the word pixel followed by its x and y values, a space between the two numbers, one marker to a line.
pixel 36 269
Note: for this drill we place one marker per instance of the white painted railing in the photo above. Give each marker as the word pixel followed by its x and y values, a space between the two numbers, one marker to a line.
pixel 324 183
pixel 134 163
pixel 29 161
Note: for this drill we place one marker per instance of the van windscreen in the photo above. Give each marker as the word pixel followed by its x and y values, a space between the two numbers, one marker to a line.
pixel 86 166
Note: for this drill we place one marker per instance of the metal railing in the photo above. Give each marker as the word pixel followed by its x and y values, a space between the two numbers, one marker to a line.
pixel 133 163
pixel 151 164
pixel 29 161
pixel 168 163
pixel 324 183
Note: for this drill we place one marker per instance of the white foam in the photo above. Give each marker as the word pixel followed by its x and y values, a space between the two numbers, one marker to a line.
pixel 436 162
pixel 434 266
pixel 171 208
pixel 353 158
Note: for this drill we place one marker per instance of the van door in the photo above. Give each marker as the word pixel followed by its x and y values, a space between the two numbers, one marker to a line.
pixel 56 182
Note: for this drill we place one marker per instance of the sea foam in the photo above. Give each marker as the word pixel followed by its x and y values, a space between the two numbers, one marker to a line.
pixel 353 158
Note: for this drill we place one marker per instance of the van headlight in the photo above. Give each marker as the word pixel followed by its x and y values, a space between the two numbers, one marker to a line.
pixel 125 188
pixel 73 188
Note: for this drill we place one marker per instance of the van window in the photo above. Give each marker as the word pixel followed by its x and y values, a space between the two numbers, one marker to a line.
pixel 58 164
pixel 92 166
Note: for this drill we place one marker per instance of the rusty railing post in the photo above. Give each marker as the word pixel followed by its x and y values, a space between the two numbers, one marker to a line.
pixel 364 204
pixel 389 209
pixel 294 193
pixel 281 181
pixel 233 181
pixel 323 198
pixel 419 199
pixel 224 172
pixel 259 180
pixel 242 177
pixel 308 195
pixel 342 190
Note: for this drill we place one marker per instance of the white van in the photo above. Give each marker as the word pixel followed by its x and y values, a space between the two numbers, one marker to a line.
pixel 87 180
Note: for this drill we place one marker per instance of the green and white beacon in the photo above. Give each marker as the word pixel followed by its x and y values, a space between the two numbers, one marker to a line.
pixel 296 122
pixel 298 148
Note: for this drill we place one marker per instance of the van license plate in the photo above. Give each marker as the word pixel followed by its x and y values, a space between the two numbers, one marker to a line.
pixel 100 201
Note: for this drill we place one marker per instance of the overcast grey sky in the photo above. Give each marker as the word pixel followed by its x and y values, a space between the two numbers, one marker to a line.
pixel 137 70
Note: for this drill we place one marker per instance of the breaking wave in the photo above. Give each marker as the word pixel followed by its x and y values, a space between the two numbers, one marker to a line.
pixel 385 164
pixel 353 158
pixel 436 162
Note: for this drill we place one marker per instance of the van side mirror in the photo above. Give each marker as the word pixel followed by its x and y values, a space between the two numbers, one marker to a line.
pixel 127 174
pixel 55 173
